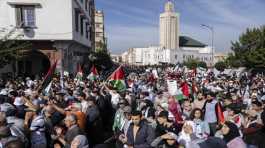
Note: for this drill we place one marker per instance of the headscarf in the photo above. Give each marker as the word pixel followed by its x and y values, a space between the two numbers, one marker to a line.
pixel 184 138
pixel 83 143
pixel 233 132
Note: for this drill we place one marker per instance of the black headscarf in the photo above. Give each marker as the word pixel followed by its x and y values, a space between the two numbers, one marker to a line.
pixel 233 132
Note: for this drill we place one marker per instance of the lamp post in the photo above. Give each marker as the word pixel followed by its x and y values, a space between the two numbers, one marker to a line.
pixel 212 31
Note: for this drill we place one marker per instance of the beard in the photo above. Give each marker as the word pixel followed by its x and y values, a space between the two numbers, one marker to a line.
pixel 200 98
pixel 136 123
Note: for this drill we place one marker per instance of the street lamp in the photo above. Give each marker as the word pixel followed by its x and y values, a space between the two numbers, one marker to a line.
pixel 212 30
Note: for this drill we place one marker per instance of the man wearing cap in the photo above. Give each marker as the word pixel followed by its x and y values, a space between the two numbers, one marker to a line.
pixel 168 140
pixel 36 128
pixel 19 103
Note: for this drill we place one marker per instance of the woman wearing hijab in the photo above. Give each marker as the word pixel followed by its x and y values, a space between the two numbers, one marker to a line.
pixel 187 134
pixel 232 136
pixel 80 141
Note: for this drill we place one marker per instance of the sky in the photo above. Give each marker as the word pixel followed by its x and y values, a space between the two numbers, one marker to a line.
pixel 135 23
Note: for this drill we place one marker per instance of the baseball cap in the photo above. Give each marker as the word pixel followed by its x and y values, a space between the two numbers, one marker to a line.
pixel 19 101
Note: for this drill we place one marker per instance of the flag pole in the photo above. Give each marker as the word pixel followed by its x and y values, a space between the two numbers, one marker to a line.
pixel 49 71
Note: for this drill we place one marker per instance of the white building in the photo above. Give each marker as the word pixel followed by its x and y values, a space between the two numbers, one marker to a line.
pixel 57 29
pixel 173 47
pixel 153 55
pixel 99 29
pixel 169 27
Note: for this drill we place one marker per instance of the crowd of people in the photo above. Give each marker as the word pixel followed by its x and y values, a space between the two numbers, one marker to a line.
pixel 210 111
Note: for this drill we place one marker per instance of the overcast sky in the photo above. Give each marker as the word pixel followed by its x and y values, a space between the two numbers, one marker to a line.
pixel 135 23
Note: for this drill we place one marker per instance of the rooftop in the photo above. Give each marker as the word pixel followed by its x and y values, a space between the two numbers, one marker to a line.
pixel 185 41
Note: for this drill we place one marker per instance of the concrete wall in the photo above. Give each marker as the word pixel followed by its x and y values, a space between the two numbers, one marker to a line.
pixel 54 20
pixel 77 35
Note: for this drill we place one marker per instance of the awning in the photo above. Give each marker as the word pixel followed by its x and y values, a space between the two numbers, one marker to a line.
pixel 24 2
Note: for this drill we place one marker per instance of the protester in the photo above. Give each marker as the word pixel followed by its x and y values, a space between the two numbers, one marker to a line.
pixel 202 129
pixel 232 136
pixel 139 134
pixel 133 106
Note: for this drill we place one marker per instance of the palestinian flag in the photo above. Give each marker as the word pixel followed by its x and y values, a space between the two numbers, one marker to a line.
pixel 46 83
pixel 179 95
pixel 79 75
pixel 93 74
pixel 220 114
pixel 117 79
pixel 185 89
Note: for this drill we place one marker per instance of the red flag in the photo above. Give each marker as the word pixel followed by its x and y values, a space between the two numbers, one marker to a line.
pixel 118 74
pixel 94 70
pixel 117 79
pixel 79 69
pixel 185 89
pixel 220 114
pixel 48 77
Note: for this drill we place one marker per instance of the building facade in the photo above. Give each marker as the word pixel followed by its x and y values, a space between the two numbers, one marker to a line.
pixel 154 55
pixel 169 27
pixel 220 57
pixel 173 48
pixel 59 30
pixel 100 41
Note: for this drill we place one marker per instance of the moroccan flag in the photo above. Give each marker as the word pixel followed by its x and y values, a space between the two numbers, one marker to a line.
pixel 117 79
pixel 79 74
pixel 48 77
pixel 220 114
pixel 94 73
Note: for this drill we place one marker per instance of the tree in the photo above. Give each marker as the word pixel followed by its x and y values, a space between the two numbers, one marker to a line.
pixel 101 59
pixel 202 64
pixel 220 66
pixel 11 50
pixel 191 63
pixel 248 51
pixel 194 63
pixel 101 47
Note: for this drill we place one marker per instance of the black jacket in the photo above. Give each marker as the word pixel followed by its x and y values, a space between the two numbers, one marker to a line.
pixel 144 136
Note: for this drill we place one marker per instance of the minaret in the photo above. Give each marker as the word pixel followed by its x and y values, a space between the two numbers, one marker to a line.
pixel 169 27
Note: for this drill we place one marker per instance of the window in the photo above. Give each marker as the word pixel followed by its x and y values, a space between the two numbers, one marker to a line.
pixel 97 25
pixel 87 25
pixel 98 34
pixel 86 4
pixel 76 21
pixel 25 16
pixel 82 26
pixel 91 33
